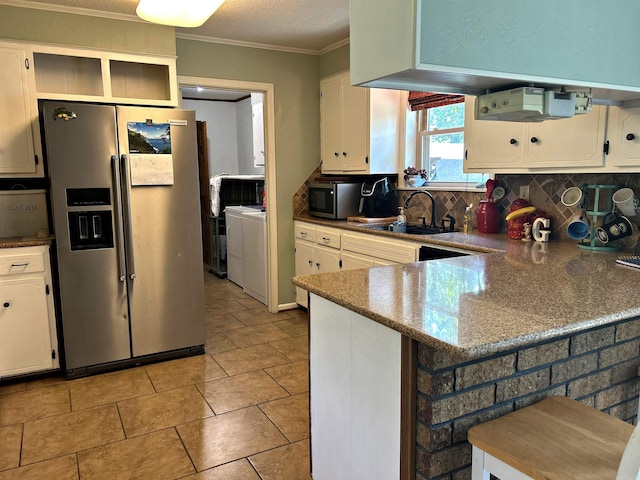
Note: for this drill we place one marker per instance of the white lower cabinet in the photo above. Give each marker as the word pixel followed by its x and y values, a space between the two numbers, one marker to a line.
pixel 321 249
pixel 28 336
pixel 355 389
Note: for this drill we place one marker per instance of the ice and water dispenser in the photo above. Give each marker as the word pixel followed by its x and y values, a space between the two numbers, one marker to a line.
pixel 90 227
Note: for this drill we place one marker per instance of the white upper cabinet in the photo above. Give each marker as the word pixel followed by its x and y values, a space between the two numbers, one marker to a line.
pixel 257 122
pixel 101 76
pixel 623 133
pixel 575 143
pixel 359 127
pixel 19 135
pixel 458 46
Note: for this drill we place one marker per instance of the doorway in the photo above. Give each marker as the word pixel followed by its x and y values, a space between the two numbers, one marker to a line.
pixel 269 163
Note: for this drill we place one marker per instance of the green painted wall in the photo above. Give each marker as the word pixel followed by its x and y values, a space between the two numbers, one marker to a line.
pixel 42 26
pixel 297 121
pixel 334 61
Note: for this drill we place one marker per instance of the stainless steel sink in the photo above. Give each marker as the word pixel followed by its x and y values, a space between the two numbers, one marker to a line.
pixel 411 229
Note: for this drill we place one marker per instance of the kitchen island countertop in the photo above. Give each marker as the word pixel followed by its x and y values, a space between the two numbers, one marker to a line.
pixel 28 241
pixel 473 306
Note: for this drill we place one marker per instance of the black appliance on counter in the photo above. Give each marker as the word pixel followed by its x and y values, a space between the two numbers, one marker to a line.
pixel 378 198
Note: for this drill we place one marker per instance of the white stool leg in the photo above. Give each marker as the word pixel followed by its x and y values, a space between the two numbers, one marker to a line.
pixel 478 471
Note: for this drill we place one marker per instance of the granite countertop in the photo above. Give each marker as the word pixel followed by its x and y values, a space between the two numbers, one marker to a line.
pixel 477 305
pixel 28 241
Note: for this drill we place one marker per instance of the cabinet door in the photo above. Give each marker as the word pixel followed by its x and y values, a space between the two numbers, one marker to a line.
pixel 353 261
pixel 25 343
pixel 326 260
pixel 570 142
pixel 304 265
pixel 16 137
pixel 624 137
pixel 331 123
pixel 490 144
pixel 355 124
pixel 258 134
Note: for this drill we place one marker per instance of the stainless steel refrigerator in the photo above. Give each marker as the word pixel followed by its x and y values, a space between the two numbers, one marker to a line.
pixel 126 217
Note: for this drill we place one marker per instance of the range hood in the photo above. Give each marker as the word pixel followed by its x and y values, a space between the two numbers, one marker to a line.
pixel 482 47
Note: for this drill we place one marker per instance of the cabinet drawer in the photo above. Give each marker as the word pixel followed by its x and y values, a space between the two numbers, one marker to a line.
pixel 399 252
pixel 328 238
pixel 21 263
pixel 305 232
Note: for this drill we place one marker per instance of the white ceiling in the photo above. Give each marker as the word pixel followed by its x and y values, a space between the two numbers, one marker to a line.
pixel 304 26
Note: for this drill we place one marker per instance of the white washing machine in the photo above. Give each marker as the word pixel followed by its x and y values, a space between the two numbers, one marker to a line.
pixel 254 240
pixel 233 219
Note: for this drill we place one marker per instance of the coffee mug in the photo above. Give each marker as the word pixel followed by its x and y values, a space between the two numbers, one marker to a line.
pixel 626 201
pixel 619 227
pixel 571 196
pixel 579 227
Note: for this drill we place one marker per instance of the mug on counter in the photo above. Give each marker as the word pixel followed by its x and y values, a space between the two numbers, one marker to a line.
pixel 579 227
pixel 626 201
pixel 617 228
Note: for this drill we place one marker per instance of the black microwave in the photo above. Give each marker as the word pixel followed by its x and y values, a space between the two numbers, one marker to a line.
pixel 336 201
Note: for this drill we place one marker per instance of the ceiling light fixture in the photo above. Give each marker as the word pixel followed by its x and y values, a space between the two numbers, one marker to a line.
pixel 178 13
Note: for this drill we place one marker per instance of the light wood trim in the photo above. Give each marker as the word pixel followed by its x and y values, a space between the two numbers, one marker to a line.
pixel 408 372
pixel 557 438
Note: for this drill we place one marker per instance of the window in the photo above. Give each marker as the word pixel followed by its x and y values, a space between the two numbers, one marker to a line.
pixel 440 149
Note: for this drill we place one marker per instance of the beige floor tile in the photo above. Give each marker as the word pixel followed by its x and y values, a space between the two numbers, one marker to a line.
pixel 249 359
pixel 231 436
pixel 294 377
pixel 28 405
pixel 218 342
pixel 222 307
pixel 295 349
pixel 55 436
pixel 10 443
pixel 162 410
pixel 109 387
pixel 241 391
pixel 290 462
pixel 238 470
pixel 295 327
pixel 251 303
pixel 183 371
pixel 14 387
pixel 61 468
pixel 291 416
pixel 247 336
pixel 216 323
pixel 158 456
pixel 258 317
pixel 46 382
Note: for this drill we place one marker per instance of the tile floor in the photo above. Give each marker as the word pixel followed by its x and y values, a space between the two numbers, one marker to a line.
pixel 240 411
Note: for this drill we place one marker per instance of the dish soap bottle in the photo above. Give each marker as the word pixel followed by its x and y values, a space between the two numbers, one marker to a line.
pixel 401 219
pixel 466 225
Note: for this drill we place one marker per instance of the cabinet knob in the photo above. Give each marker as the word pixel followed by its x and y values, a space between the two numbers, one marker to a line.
pixel 344 154
pixel 6 304
pixel 534 139
pixel 513 141
pixel 318 265
pixel 336 154
pixel 630 136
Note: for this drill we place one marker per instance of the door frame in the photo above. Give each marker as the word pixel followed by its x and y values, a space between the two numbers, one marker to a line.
pixel 269 168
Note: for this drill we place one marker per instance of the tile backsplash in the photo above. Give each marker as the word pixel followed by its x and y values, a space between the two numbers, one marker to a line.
pixel 544 192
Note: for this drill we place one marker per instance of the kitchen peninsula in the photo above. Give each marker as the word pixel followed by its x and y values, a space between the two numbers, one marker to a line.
pixel 405 359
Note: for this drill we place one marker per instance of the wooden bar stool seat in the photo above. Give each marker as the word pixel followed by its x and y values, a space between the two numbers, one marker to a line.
pixel 555 439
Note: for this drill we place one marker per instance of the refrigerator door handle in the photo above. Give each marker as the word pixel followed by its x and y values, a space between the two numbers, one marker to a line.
pixel 115 171
pixel 126 208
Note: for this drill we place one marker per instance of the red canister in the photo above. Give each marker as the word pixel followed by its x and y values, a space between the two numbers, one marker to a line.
pixel 488 217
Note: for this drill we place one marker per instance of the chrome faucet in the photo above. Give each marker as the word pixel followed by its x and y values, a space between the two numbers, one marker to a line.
pixel 433 206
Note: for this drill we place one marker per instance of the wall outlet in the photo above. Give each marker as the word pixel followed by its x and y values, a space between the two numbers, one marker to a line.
pixel 524 192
